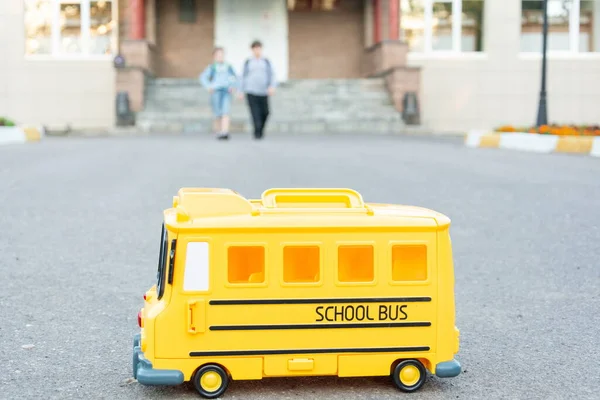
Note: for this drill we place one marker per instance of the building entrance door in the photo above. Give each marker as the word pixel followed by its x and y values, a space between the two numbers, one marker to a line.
pixel 239 22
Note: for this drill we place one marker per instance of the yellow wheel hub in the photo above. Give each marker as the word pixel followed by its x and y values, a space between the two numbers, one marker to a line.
pixel 410 375
pixel 211 381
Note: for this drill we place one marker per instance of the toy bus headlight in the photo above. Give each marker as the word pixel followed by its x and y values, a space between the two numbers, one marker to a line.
pixel 139 318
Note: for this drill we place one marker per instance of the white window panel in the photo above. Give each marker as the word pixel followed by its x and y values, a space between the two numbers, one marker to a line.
pixel 196 274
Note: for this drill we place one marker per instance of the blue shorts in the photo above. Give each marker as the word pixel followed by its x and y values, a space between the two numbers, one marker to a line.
pixel 221 102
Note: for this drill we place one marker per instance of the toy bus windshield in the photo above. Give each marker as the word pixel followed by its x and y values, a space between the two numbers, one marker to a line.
pixel 162 263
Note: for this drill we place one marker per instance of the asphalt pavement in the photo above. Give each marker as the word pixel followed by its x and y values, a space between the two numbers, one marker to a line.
pixel 80 228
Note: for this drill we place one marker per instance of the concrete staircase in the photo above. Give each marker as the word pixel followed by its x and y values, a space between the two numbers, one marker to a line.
pixel 302 106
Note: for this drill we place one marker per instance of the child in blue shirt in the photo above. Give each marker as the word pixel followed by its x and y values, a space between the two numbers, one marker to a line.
pixel 220 79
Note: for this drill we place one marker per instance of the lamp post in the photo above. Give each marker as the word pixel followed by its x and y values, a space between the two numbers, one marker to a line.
pixel 542 115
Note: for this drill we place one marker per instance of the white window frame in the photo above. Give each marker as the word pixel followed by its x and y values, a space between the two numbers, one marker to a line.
pixel 85 33
pixel 574 21
pixel 456 31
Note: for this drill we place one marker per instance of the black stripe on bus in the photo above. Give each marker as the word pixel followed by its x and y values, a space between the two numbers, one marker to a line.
pixel 306 351
pixel 317 326
pixel 321 301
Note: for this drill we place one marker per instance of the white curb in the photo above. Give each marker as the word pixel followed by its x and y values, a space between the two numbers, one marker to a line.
pixel 20 134
pixel 528 142
pixel 534 143
pixel 596 147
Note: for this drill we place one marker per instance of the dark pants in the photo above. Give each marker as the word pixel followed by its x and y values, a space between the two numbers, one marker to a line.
pixel 259 109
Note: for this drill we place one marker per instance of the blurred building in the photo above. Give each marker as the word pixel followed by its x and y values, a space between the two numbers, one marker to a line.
pixel 473 63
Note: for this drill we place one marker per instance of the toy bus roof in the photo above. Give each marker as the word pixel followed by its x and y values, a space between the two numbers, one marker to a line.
pixel 215 208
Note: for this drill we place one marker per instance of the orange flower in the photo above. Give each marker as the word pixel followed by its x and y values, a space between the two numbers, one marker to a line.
pixel 506 128
pixel 555 129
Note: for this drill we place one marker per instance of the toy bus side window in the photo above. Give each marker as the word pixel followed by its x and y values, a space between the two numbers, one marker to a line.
pixel 196 274
pixel 246 264
pixel 301 263
pixel 409 262
pixel 356 263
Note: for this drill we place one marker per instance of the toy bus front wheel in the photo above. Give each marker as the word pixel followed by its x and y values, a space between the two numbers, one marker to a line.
pixel 211 381
pixel 409 375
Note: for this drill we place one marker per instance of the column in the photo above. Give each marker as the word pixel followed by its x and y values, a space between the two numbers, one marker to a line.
pixel 376 21
pixel 150 28
pixel 368 21
pixel 137 13
pixel 394 22
pixel 137 53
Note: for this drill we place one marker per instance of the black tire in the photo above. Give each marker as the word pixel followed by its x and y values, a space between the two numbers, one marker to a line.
pixel 412 366
pixel 210 393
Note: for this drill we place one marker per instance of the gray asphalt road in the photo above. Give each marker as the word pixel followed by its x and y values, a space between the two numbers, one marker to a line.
pixel 79 234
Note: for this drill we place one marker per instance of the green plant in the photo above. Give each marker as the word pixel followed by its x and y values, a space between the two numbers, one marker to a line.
pixel 6 122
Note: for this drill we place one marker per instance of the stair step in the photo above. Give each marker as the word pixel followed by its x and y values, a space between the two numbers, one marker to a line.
pixel 290 82
pixel 279 127
pixel 299 106
pixel 185 108
pixel 200 94
pixel 289 117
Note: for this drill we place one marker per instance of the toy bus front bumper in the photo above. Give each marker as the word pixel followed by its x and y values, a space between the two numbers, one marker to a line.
pixel 448 369
pixel 146 374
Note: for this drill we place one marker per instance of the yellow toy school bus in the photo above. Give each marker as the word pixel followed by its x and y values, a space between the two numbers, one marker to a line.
pixel 301 282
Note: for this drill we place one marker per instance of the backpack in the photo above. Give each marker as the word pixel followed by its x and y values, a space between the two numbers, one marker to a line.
pixel 213 71
pixel 269 70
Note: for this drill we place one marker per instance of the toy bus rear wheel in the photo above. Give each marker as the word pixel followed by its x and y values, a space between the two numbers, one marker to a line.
pixel 211 381
pixel 409 375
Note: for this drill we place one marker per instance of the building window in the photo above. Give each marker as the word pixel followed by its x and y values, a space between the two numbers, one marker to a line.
pixel 246 264
pixel 442 25
pixel 441 28
pixel 573 25
pixel 301 264
pixel 356 264
pixel 102 33
pixel 187 11
pixel 70 27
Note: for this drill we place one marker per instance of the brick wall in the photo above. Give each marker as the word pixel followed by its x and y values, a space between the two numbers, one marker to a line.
pixel 401 81
pixel 380 58
pixel 131 80
pixel 388 59
pixel 327 44
pixel 183 49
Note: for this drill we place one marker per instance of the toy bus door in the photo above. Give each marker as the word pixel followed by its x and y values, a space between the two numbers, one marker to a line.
pixel 184 320
pixel 196 281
